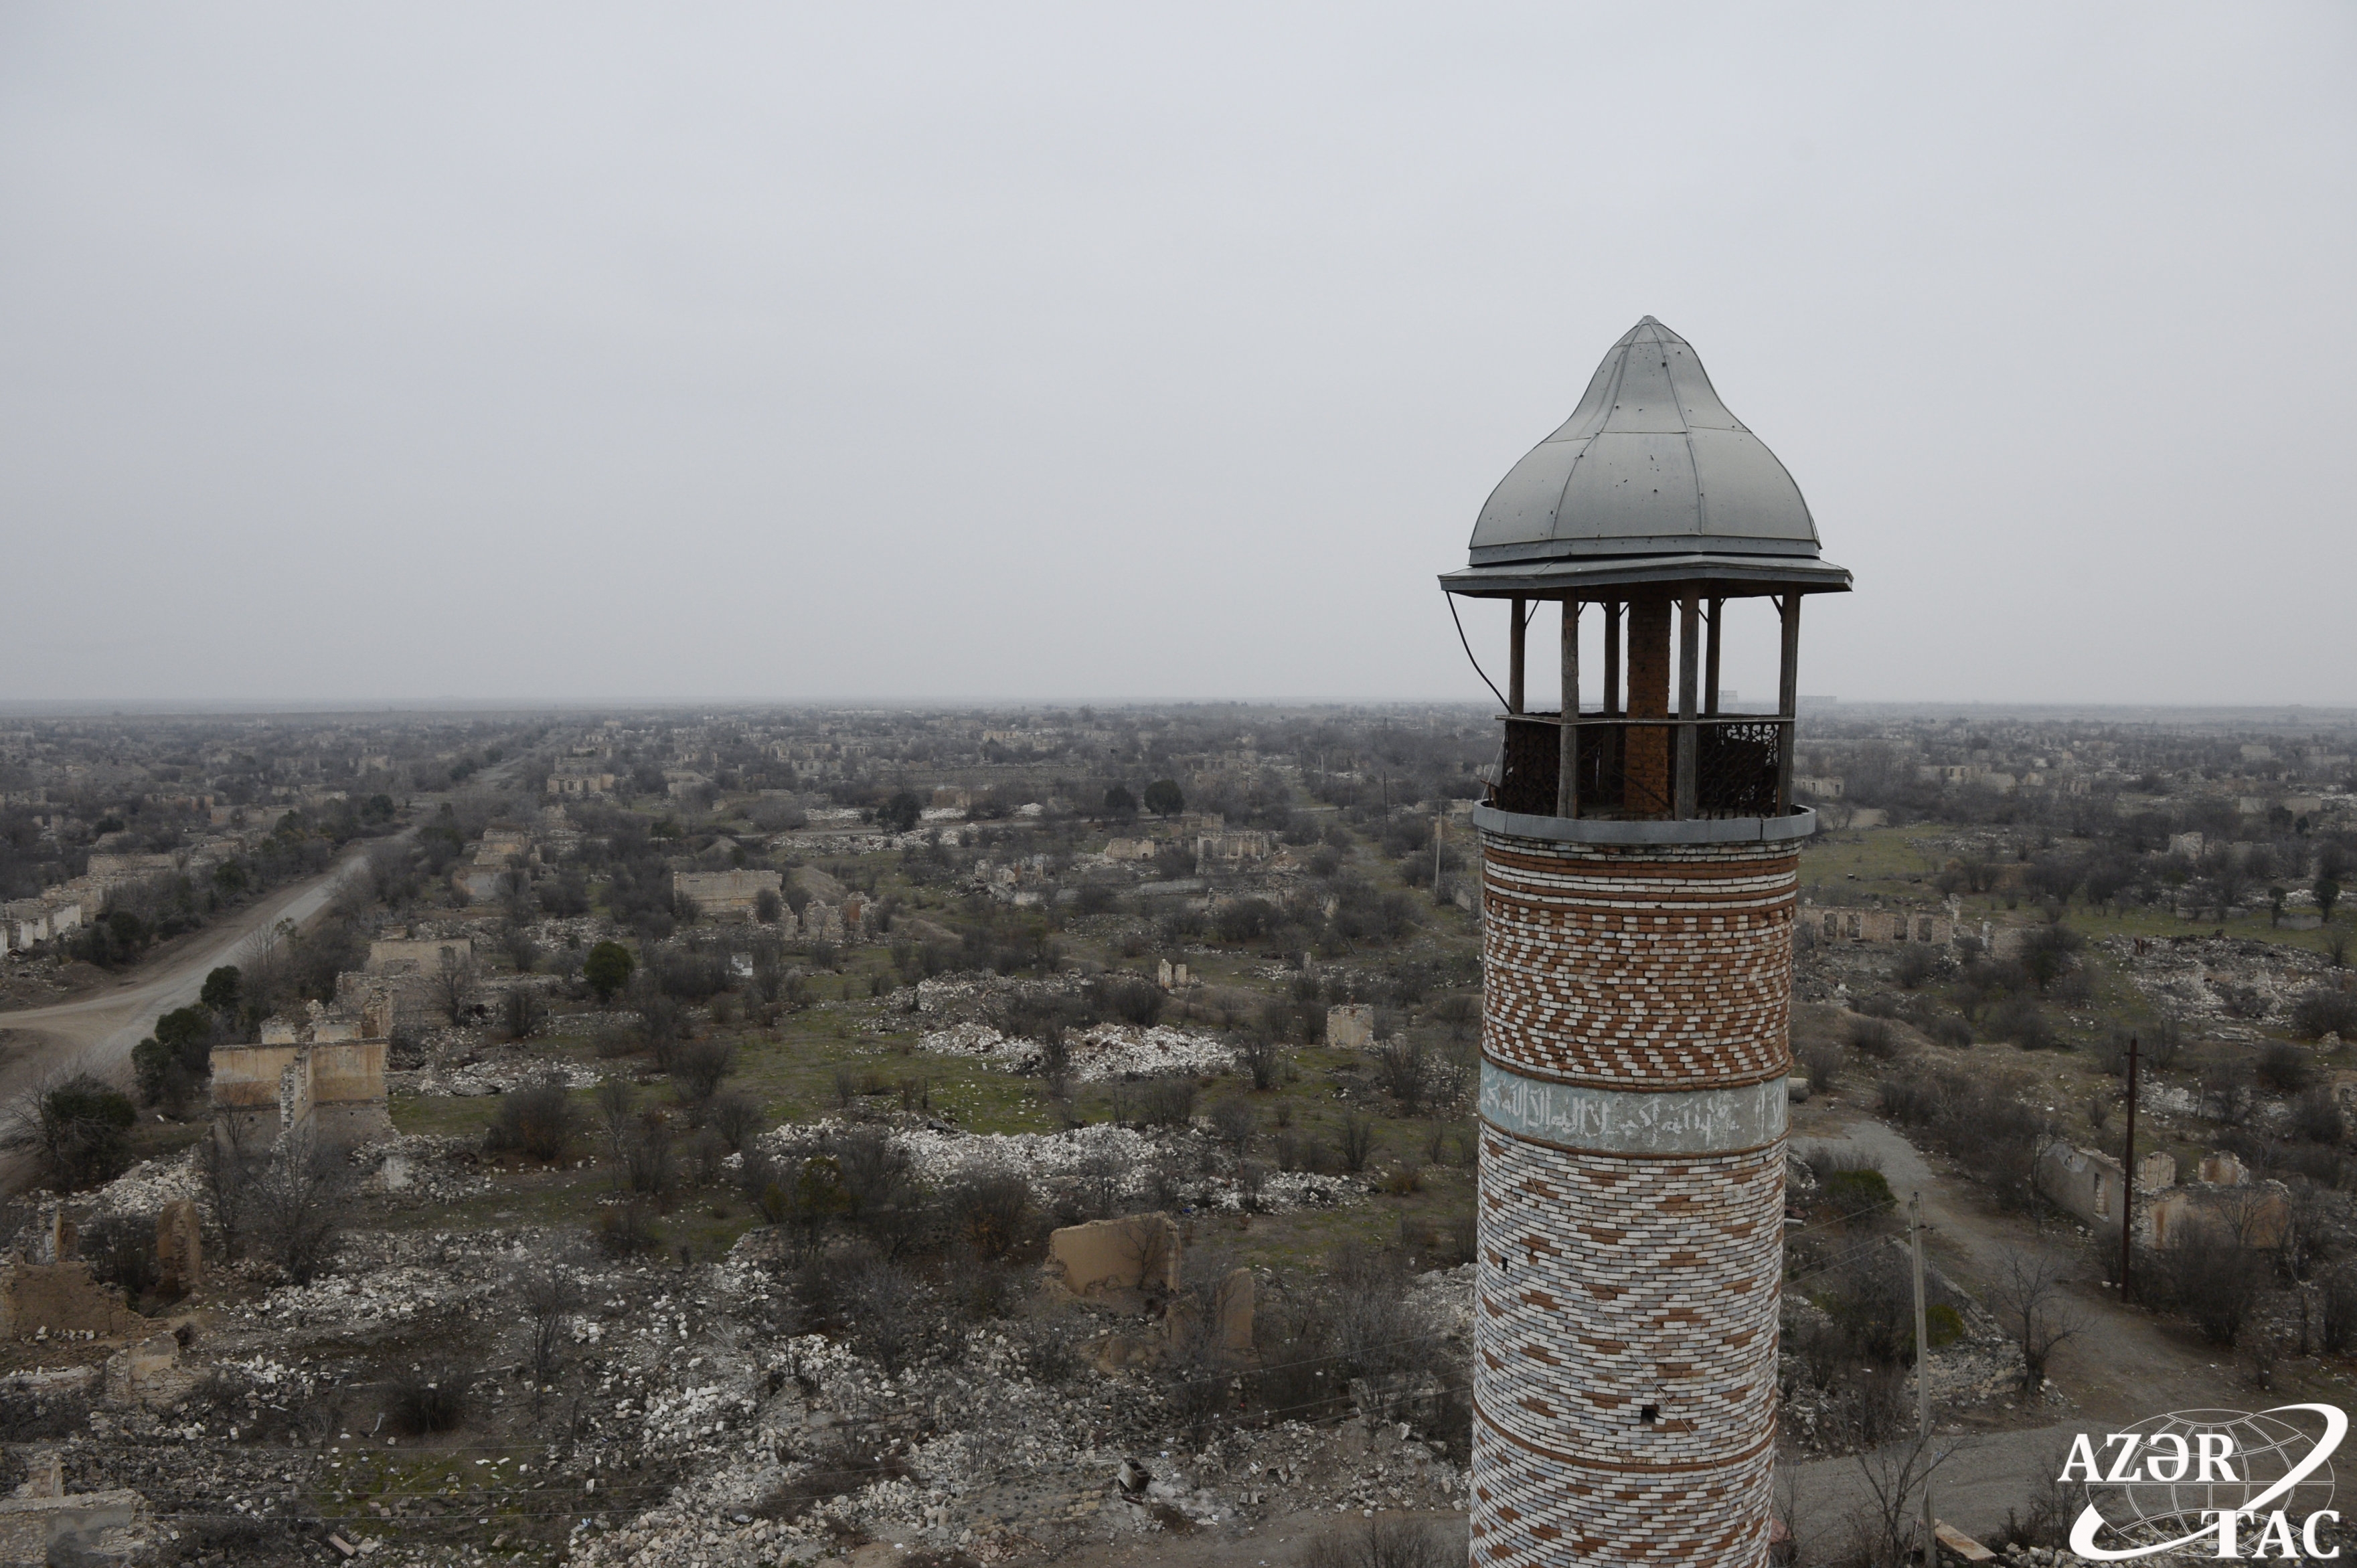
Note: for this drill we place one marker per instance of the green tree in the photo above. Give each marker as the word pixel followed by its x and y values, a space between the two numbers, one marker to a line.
pixel 187 1030
pixel 1163 797
pixel 2328 894
pixel 221 989
pixel 1120 803
pixel 83 1132
pixel 900 813
pixel 607 969
pixel 170 1064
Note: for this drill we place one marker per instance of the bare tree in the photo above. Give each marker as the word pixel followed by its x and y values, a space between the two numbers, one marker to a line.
pixel 1886 1521
pixel 262 965
pixel 1405 1070
pixel 300 1206
pixel 1262 1056
pixel 225 1165
pixel 1354 1142
pixel 2028 1294
pixel 550 1295
pixel 452 986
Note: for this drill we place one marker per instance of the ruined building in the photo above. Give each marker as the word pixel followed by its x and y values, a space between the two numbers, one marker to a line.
pixel 1639 867
pixel 321 1077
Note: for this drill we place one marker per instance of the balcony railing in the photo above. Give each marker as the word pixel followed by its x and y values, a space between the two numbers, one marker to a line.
pixel 1737 766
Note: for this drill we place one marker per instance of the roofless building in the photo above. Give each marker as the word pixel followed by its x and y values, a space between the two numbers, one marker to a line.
pixel 1640 867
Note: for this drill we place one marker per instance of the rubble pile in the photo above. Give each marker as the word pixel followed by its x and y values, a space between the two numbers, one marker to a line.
pixel 1102 1052
pixel 1112 1163
pixel 992 1443
pixel 500 1070
pixel 2227 982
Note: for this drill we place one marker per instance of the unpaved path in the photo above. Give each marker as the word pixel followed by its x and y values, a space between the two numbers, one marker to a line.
pixel 2121 1367
pixel 96 1032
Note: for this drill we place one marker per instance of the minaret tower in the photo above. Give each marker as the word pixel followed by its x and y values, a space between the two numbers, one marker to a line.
pixel 1640 863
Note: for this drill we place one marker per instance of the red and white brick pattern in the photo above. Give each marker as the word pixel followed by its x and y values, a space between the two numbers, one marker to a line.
pixel 1612 1283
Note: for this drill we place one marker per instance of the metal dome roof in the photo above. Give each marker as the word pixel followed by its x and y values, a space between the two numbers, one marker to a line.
pixel 1651 479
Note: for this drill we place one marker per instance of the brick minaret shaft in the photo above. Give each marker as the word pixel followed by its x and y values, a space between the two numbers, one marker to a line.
pixel 1647 769
pixel 1635 1043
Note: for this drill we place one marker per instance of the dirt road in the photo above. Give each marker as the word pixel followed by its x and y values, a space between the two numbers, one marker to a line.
pixel 2120 1367
pixel 97 1033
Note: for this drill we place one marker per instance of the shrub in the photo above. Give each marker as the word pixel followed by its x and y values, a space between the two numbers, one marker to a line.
pixel 429 1397
pixel 735 1116
pixel 1167 1102
pixel 646 1149
pixel 2324 1012
pixel 1354 1142
pixel 1262 1057
pixel 1917 966
pixel 1947 1029
pixel 1127 999
pixel 1909 1097
pixel 1404 1070
pixel 1233 1122
pixel 1854 1194
pixel 626 1230
pixel 521 1012
pixel 2286 1067
pixel 83 1130
pixel 2316 1116
pixel 2024 1023
pixel 988 1212
pixel 1875 1037
pixel 538 1120
pixel 1821 1060
pixel 698 1068
pixel 1381 1543
pixel 607 969
pixel 1942 1325
pixel 1246 920
pixel 2213 1279
pixel 2339 1315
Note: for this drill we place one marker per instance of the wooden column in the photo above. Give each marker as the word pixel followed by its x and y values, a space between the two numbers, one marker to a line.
pixel 1788 700
pixel 1646 750
pixel 1567 776
pixel 1710 661
pixel 1612 658
pixel 1515 661
pixel 1689 677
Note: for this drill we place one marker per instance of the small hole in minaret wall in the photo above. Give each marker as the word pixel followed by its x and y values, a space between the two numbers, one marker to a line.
pixel 1649 1413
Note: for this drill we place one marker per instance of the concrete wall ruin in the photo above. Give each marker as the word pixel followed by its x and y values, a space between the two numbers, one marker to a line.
pixel 1876 926
pixel 1135 1256
pixel 322 1077
pixel 2221 1199
pixel 1351 1027
pixel 726 892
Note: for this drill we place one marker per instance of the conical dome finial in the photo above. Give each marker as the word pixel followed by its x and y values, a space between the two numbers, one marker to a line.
pixel 1652 478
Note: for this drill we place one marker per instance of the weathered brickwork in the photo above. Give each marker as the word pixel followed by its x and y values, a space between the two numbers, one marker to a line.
pixel 1639 967
pixel 1625 1321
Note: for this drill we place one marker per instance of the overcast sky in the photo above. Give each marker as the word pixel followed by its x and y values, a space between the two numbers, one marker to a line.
pixel 383 352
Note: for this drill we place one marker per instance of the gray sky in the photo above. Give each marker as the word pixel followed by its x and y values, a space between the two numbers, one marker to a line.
pixel 1105 351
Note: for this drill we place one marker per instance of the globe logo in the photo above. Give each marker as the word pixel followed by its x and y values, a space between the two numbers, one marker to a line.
pixel 2249 1480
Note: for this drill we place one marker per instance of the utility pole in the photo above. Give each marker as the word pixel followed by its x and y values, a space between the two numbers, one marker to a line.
pixel 2128 1173
pixel 1923 1375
